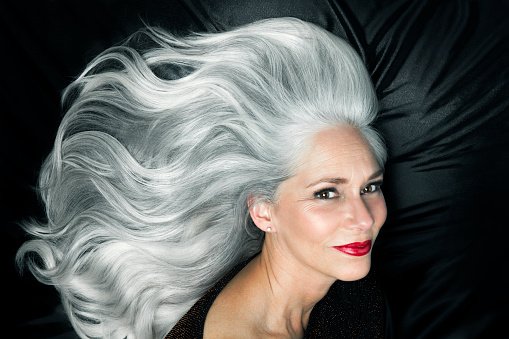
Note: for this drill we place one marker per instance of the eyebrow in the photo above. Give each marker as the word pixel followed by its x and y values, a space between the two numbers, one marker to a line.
pixel 343 180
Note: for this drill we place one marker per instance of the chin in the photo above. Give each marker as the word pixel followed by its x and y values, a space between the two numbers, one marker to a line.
pixel 356 272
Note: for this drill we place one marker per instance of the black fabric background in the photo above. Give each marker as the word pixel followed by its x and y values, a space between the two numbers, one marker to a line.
pixel 441 73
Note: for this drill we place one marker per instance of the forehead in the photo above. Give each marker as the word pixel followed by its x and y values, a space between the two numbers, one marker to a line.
pixel 339 138
pixel 338 149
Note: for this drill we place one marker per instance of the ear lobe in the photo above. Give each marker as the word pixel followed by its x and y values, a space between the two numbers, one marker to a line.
pixel 260 214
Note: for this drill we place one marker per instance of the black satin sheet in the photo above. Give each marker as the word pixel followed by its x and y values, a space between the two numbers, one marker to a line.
pixel 441 72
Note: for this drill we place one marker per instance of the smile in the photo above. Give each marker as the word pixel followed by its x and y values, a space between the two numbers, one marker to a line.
pixel 357 249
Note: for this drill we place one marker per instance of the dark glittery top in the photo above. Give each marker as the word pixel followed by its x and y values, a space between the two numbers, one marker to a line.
pixel 350 310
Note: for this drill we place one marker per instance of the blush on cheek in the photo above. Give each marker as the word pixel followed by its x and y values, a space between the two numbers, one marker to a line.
pixel 309 207
pixel 380 212
pixel 383 213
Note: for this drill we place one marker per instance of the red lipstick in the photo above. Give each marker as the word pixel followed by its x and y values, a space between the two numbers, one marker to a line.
pixel 357 249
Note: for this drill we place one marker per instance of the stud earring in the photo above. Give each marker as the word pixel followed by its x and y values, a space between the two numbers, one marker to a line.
pixel 269 229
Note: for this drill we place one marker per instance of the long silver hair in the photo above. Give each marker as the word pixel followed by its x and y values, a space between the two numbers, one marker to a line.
pixel 161 145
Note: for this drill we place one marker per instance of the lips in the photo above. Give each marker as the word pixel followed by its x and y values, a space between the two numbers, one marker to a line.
pixel 356 249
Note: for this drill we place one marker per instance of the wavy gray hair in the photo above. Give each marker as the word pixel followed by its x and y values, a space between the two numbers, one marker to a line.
pixel 159 150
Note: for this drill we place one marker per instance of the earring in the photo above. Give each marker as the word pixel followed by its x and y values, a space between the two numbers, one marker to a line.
pixel 269 229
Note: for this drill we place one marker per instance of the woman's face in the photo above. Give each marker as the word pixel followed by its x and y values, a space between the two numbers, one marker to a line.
pixel 327 216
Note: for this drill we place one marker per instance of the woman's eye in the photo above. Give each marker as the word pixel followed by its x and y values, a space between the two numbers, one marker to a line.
pixel 329 193
pixel 371 188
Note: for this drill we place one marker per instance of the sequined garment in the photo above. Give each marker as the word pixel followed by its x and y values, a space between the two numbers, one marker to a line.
pixel 349 310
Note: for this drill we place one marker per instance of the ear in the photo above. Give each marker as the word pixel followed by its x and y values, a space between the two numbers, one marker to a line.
pixel 260 212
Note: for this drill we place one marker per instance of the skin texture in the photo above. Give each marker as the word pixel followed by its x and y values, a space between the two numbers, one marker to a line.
pixel 333 199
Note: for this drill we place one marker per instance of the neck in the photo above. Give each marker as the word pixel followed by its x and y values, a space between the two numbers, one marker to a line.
pixel 288 292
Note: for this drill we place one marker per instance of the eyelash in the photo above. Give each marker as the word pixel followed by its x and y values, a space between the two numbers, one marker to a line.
pixel 376 187
pixel 324 193
pixel 320 194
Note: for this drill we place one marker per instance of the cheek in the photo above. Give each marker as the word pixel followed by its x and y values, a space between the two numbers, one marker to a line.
pixel 378 210
pixel 308 221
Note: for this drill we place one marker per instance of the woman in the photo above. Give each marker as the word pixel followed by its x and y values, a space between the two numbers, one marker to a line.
pixel 233 175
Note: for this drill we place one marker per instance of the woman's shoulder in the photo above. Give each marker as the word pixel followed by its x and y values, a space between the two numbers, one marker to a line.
pixel 191 325
pixel 358 307
pixel 349 307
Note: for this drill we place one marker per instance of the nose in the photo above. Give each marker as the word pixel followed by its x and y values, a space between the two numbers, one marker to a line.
pixel 358 214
